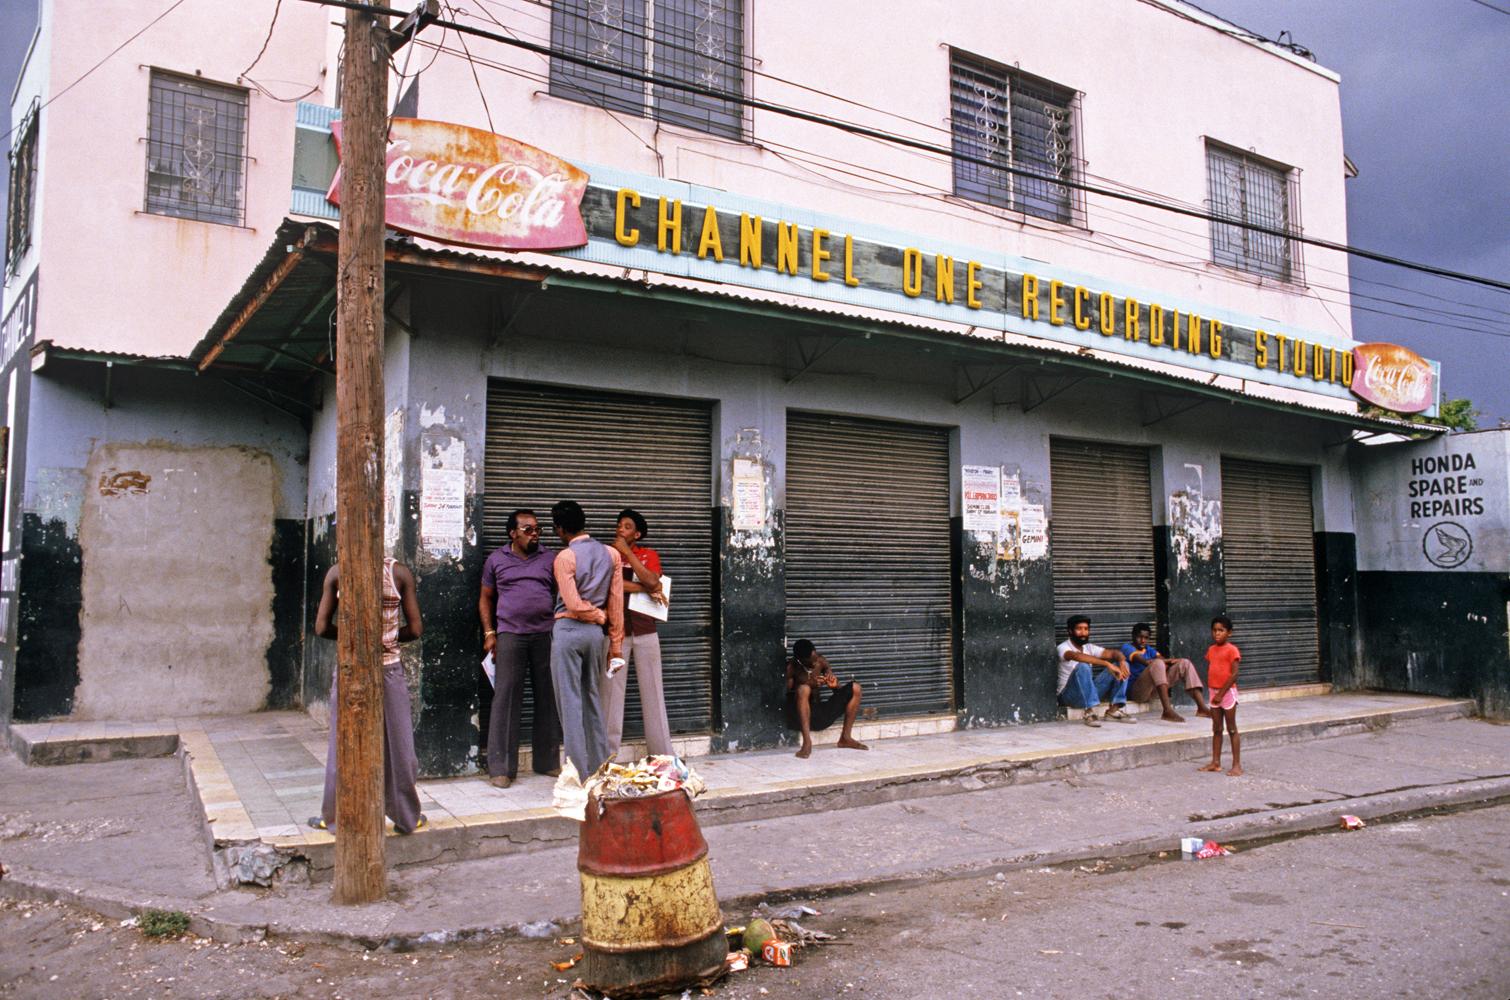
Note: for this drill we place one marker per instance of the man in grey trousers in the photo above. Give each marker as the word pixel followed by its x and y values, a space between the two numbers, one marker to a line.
pixel 589 600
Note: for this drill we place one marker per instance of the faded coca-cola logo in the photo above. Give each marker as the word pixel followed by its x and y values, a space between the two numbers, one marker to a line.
pixel 463 185
pixel 509 190
pixel 1393 377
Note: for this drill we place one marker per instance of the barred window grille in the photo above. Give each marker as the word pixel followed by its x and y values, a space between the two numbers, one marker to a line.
pixel 699 42
pixel 1015 140
pixel 21 191
pixel 196 150
pixel 1245 189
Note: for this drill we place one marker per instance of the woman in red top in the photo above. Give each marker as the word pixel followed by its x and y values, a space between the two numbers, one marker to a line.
pixel 1221 675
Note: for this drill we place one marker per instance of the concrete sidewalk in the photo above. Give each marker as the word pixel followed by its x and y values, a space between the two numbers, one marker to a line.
pixel 258 777
pixel 120 836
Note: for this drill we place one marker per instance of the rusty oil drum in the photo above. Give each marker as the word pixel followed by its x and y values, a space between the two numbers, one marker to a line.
pixel 650 920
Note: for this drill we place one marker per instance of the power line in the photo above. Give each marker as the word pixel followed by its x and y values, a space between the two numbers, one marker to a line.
pixel 1493 7
pixel 918 144
pixel 1194 239
pixel 83 76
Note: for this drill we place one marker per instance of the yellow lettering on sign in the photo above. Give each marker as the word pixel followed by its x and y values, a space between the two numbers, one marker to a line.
pixel 912 272
pixel 1215 343
pixel 1029 296
pixel 1174 333
pixel 1282 341
pixel 849 262
pixel 820 254
pixel 1347 368
pixel 621 204
pixel 1260 349
pixel 972 284
pixel 1155 324
pixel 786 247
pixel 1298 356
pixel 1108 314
pixel 1318 363
pixel 1056 302
pixel 943 278
pixel 750 231
pixel 668 233
pixel 1334 365
pixel 1131 322
pixel 1082 318
pixel 711 242
pixel 1193 334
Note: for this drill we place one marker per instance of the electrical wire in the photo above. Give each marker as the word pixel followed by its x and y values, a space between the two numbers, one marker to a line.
pixel 277 7
pixel 1197 266
pixel 85 75
pixel 1494 7
pixel 909 142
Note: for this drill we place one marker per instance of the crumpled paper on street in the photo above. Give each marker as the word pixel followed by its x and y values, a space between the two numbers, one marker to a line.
pixel 569 798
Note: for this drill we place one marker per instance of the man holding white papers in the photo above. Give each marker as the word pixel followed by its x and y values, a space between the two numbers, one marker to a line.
pixel 516 606
pixel 642 644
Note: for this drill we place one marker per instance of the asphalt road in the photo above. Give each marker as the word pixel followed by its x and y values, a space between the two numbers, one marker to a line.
pixel 1412 908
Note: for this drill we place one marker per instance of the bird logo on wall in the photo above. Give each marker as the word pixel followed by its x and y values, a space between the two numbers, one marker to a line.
pixel 1447 544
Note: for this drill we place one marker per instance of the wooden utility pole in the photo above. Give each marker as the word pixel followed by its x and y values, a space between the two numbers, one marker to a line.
pixel 360 875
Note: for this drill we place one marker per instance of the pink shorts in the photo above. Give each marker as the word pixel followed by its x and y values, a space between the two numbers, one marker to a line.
pixel 1230 701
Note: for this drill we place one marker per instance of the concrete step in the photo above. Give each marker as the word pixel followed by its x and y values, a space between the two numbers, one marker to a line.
pixel 48 743
pixel 964 761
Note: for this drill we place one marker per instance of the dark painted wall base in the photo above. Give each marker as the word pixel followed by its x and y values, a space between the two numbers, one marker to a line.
pixel 1337 606
pixel 47 644
pixel 1007 666
pixel 1437 633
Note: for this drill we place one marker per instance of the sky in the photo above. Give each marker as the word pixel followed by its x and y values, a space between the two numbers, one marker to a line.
pixel 1426 119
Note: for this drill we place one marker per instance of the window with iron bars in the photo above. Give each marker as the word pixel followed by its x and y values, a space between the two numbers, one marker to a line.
pixel 1015 140
pixel 196 149
pixel 699 42
pixel 21 198
pixel 1245 189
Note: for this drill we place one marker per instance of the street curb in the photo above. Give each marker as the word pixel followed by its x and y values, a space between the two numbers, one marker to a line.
pixel 1252 828
pixel 526 834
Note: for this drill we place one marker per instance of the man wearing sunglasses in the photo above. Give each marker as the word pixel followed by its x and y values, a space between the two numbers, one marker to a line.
pixel 517 608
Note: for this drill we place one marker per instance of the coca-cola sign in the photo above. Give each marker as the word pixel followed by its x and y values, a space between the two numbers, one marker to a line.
pixel 469 187
pixel 1393 377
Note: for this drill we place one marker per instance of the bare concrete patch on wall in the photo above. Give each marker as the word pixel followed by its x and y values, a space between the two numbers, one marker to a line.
pixel 177 610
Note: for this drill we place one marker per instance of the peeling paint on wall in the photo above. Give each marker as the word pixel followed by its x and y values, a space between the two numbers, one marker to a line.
pixel 393 480
pixel 748 492
pixel 1195 522
pixel 113 483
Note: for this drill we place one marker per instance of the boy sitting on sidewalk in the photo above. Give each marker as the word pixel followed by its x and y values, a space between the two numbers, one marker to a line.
pixel 1153 672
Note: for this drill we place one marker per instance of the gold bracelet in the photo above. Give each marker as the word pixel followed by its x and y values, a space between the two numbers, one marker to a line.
pixel 490 632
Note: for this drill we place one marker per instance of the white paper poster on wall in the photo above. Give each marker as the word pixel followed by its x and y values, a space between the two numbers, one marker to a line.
pixel 1034 529
pixel 980 489
pixel 442 511
pixel 748 496
pixel 1011 491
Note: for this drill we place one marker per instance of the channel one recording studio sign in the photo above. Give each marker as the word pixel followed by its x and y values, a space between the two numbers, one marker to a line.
pixel 1437 506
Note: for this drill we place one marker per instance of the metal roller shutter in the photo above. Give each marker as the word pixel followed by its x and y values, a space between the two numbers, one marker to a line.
pixel 868 556
pixel 1101 537
pixel 1268 547
pixel 608 452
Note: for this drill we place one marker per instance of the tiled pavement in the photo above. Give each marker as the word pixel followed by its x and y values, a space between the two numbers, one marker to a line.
pixel 259 776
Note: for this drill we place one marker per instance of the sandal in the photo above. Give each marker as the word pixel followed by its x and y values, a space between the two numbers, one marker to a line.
pixel 316 823
pixel 422 824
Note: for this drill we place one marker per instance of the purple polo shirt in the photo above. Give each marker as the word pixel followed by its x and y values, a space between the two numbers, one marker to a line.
pixel 526 589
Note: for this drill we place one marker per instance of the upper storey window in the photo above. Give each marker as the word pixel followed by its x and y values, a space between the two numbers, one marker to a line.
pixel 1248 190
pixel 196 149
pixel 698 42
pixel 21 198
pixel 1015 140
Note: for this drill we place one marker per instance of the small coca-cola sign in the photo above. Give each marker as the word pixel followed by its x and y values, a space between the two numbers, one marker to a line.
pixel 473 188
pixel 1393 377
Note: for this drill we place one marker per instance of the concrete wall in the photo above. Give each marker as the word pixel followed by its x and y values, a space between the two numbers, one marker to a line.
pixel 744 364
pixel 162 548
pixel 1434 566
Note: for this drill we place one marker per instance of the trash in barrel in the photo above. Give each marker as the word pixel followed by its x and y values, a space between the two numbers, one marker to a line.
pixel 650 919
